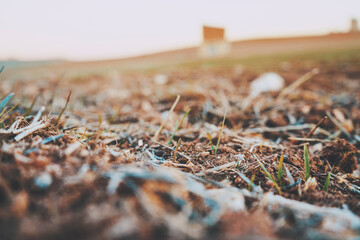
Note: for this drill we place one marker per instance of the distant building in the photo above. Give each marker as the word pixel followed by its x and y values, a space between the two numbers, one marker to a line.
pixel 354 26
pixel 214 43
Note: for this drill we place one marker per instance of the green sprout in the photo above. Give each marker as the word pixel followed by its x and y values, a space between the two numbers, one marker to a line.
pixel 280 169
pixel 211 144
pixel 327 182
pixel 306 160
pixel 268 175
pixel 63 110
pixel 29 109
pixel 177 127
pixel 5 101
pixel 220 132
pixel 251 182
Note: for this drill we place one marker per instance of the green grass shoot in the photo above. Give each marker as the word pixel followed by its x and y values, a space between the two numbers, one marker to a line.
pixel 280 169
pixel 177 127
pixel 251 182
pixel 306 162
pixel 268 175
pixel 327 182
pixel 63 110
pixel 29 109
pixel 220 132
pixel 211 144
pixel 5 101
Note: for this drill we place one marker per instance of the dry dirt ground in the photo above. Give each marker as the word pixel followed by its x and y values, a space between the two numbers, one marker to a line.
pixel 105 168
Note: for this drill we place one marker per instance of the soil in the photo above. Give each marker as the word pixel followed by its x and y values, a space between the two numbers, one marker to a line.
pixel 111 121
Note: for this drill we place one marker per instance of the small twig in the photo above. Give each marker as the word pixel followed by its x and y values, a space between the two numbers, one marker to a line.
pixel 279 129
pixel 218 168
pixel 307 76
pixel 332 118
pixel 308 139
pixel 176 149
pixel 316 126
pixel 292 185
pixel 167 117
pixel 170 148
pixel 52 138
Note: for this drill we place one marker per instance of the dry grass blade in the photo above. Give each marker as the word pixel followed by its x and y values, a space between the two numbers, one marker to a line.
pixel 83 135
pixel 63 110
pixel 316 126
pixel 167 117
pixel 4 113
pixel 220 133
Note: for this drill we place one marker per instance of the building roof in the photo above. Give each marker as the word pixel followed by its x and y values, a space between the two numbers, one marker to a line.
pixel 213 33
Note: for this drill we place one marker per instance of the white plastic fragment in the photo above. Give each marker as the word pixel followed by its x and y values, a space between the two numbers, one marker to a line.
pixel 267 82
pixel 72 148
pixel 44 180
pixel 38 115
pixel 232 201
pixel 114 153
pixel 29 131
pixel 160 79
pixel 21 158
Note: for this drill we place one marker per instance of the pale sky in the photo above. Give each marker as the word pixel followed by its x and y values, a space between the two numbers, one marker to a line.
pixel 90 30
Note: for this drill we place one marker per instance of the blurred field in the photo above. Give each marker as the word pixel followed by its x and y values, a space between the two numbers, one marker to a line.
pixel 257 53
